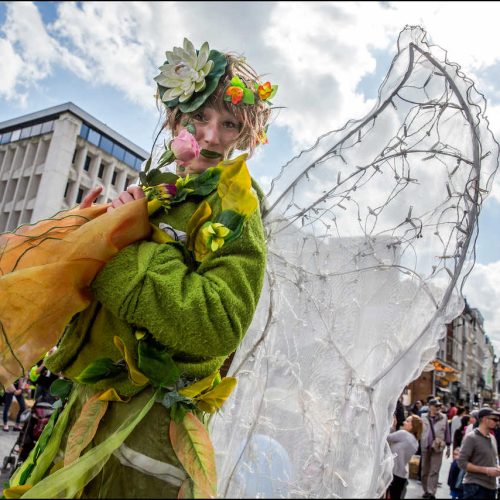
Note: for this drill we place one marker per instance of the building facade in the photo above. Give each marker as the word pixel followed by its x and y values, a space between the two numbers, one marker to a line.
pixel 50 159
pixel 465 368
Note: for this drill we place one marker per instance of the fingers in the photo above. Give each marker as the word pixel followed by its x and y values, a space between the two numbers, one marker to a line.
pixel 92 196
pixel 136 192
pixel 131 194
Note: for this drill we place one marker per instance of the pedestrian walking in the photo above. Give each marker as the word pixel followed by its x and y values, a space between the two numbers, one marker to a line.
pixel 479 457
pixel 403 444
pixel 455 477
pixel 435 438
pixel 14 391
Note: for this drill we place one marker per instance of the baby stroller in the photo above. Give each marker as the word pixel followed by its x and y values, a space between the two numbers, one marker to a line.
pixel 33 422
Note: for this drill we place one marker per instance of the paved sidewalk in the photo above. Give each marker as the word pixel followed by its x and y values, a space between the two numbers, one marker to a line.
pixel 414 489
pixel 7 442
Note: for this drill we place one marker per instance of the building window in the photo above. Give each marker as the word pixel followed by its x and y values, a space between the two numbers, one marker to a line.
pixel 47 127
pixel 94 137
pixel 6 137
pixel 113 180
pixel 84 131
pixel 106 144
pixel 86 165
pixel 66 190
pixel 118 152
pixel 101 171
pixel 36 129
pixel 79 197
pixel 25 132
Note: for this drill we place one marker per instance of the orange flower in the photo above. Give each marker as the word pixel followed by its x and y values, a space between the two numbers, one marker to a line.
pixel 236 94
pixel 265 90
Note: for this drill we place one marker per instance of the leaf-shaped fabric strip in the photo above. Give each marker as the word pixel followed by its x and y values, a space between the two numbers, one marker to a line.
pixel 235 186
pixel 68 481
pixel 191 391
pixel 47 269
pixel 18 491
pixel 84 429
pixel 112 395
pixel 192 445
pixel 212 400
pixel 136 376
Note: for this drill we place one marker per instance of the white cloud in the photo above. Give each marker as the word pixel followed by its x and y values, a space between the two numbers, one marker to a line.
pixel 482 290
pixel 26 49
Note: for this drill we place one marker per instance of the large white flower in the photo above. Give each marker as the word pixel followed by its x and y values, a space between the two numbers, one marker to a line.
pixel 185 71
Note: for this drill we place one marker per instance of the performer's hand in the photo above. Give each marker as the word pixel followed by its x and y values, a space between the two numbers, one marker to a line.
pixel 131 194
pixel 91 197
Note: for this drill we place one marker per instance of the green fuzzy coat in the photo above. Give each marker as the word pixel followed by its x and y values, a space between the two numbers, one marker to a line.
pixel 200 315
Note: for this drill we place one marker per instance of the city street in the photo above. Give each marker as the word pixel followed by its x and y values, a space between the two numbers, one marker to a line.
pixel 414 489
pixel 7 441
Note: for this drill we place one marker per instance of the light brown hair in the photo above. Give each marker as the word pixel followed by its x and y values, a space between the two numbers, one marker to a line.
pixel 416 426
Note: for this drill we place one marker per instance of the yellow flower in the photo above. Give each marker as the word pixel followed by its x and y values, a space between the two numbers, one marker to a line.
pixel 213 235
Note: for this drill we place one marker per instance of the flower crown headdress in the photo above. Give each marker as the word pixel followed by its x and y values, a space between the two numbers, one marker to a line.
pixel 189 76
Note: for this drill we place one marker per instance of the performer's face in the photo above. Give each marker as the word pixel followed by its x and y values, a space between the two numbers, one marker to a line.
pixel 216 131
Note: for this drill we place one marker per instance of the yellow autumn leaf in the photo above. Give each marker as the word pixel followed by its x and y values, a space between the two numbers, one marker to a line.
pixel 193 447
pixel 84 429
pixel 136 376
pixel 193 390
pixel 199 217
pixel 112 395
pixel 47 271
pixel 160 236
pixel 235 187
pixel 212 400
pixel 16 491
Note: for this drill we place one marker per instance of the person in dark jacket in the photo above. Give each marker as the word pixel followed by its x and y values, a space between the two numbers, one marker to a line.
pixel 455 476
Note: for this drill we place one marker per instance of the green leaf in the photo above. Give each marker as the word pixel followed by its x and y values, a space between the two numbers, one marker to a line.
pixel 178 412
pixel 231 219
pixel 210 154
pixel 192 446
pixel 166 158
pixel 101 368
pixel 212 80
pixel 191 128
pixel 157 364
pixel 236 82
pixel 248 97
pixel 274 89
pixel 173 397
pixel 148 165
pixel 61 388
pixel 143 178
pixel 156 177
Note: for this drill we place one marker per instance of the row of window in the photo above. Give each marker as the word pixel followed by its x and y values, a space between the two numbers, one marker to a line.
pixel 25 132
pixel 111 147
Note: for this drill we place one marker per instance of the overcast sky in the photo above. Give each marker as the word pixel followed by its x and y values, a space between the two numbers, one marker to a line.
pixel 328 58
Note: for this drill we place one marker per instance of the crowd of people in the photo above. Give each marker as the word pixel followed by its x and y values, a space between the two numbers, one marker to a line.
pixel 432 430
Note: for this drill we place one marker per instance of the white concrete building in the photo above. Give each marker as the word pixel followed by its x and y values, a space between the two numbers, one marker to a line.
pixel 50 159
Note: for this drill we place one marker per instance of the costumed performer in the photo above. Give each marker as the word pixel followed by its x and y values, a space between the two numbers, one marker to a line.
pixel 143 358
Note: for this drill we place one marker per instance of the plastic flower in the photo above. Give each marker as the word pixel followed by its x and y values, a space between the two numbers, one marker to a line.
pixel 185 71
pixel 185 147
pixel 265 90
pixel 236 94
pixel 213 235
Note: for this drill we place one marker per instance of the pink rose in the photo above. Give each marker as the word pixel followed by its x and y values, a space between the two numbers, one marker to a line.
pixel 185 147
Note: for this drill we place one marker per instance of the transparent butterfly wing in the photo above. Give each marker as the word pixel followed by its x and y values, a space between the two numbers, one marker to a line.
pixel 370 234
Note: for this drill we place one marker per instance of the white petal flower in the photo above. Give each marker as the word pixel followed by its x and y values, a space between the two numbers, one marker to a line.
pixel 185 71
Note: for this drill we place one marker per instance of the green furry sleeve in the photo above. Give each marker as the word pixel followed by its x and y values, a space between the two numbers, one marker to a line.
pixel 201 313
